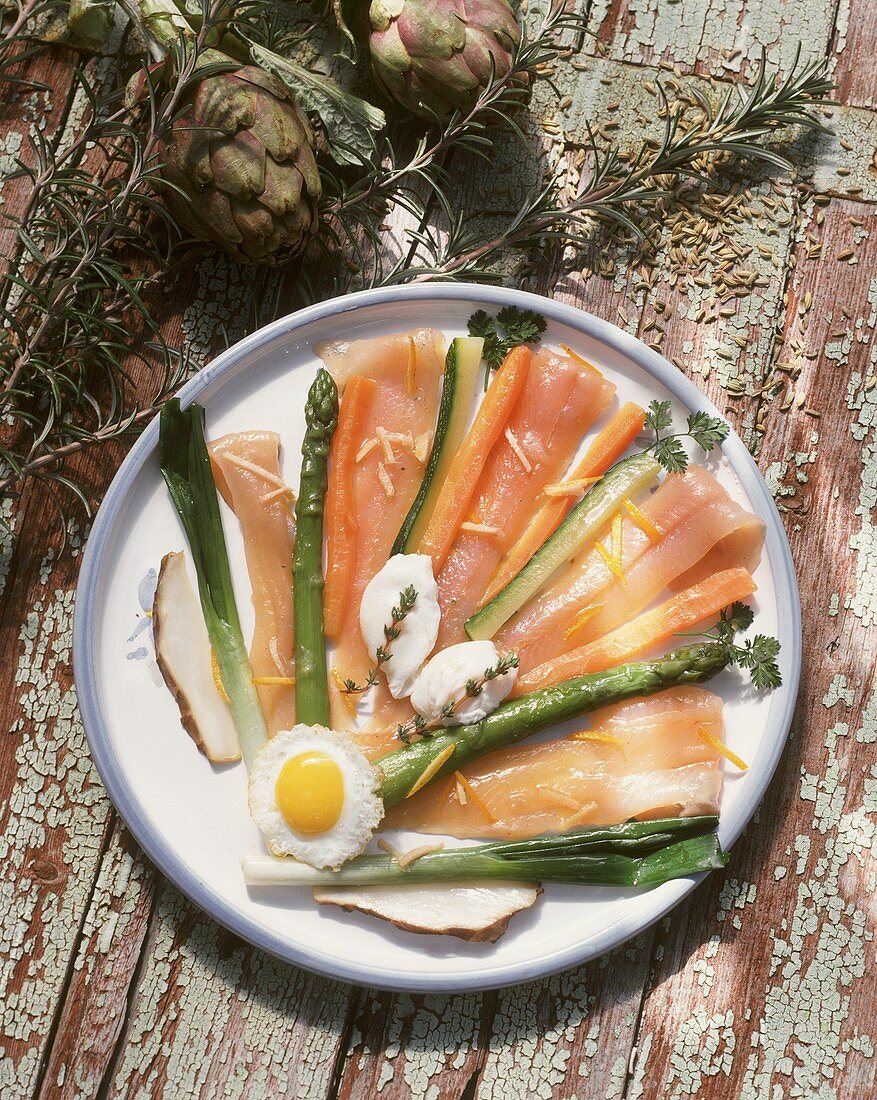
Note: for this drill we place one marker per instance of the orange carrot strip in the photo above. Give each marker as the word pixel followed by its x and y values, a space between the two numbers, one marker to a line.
pixel 340 516
pixel 462 478
pixel 680 612
pixel 608 446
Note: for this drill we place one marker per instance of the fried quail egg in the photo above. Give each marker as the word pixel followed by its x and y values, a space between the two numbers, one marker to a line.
pixel 315 796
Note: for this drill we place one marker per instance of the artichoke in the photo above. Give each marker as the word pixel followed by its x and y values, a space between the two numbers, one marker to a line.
pixel 240 161
pixel 434 56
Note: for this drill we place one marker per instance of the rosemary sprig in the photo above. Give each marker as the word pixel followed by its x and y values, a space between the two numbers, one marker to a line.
pixel 619 187
pixel 392 630
pixel 706 431
pixel 418 726
pixel 92 242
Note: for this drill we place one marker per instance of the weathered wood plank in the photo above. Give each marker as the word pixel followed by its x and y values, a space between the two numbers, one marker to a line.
pixel 764 987
pixel 723 37
pixel 853 46
pixel 54 811
pixel 415 1046
pixel 211 1016
pixel 95 1001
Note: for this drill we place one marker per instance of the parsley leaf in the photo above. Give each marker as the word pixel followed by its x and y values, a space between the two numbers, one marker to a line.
pixel 757 655
pixel 659 416
pixel 671 454
pixel 510 327
pixel 706 431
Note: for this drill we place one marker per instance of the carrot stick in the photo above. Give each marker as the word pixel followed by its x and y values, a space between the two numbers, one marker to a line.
pixel 680 612
pixel 341 522
pixel 608 446
pixel 459 487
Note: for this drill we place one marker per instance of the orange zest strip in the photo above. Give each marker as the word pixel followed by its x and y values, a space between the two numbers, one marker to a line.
pixel 459 486
pixel 681 612
pixel 411 373
pixel 642 521
pixel 722 748
pixel 617 537
pixel 611 562
pixel 274 681
pixel 217 675
pixel 578 358
pixel 346 697
pixel 433 768
pixel 608 445
pixel 470 792
pixel 340 513
pixel 581 620
pixel 599 737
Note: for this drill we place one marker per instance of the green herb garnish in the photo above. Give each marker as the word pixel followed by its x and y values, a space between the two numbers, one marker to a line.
pixel 407 600
pixel 510 327
pixel 706 431
pixel 418 726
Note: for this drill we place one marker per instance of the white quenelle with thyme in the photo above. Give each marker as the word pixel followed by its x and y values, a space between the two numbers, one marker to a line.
pixel 399 619
pixel 314 796
pixel 463 684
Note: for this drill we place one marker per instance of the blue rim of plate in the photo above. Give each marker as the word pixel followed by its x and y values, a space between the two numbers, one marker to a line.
pixel 165 856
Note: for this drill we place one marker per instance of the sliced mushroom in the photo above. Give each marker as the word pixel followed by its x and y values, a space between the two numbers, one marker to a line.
pixel 471 912
pixel 184 655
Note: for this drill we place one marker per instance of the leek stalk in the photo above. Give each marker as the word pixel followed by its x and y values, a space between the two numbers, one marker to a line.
pixel 636 853
pixel 185 466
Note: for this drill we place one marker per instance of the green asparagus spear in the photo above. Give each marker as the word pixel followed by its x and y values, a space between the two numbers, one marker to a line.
pixel 312 689
pixel 520 717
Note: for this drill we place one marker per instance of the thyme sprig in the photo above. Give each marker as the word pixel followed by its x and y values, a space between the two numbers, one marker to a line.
pixel 392 630
pixel 705 430
pixel 418 726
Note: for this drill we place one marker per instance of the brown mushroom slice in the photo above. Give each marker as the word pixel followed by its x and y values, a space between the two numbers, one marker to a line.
pixel 471 912
pixel 184 656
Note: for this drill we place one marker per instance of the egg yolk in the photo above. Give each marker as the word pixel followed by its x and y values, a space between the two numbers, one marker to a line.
pixel 310 792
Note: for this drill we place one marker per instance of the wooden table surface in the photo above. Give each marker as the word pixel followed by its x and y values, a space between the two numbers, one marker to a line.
pixel 763 984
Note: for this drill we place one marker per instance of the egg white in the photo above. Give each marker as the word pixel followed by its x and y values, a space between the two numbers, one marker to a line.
pixel 444 678
pixel 419 629
pixel 362 808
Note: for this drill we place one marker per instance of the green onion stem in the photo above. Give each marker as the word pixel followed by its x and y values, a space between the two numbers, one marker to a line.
pixel 632 854
pixel 185 466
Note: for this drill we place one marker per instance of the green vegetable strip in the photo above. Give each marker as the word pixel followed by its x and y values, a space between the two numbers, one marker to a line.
pixel 185 466
pixel 312 689
pixel 517 719
pixel 609 856
pixel 458 394
pixel 580 528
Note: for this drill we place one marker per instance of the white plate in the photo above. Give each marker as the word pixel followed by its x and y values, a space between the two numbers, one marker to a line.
pixel 191 819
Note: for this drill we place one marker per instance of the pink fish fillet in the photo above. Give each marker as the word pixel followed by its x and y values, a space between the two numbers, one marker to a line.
pixel 559 402
pixel 650 761
pixel 246 468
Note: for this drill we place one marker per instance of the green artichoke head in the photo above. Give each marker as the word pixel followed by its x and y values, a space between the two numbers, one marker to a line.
pixel 240 161
pixel 434 56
